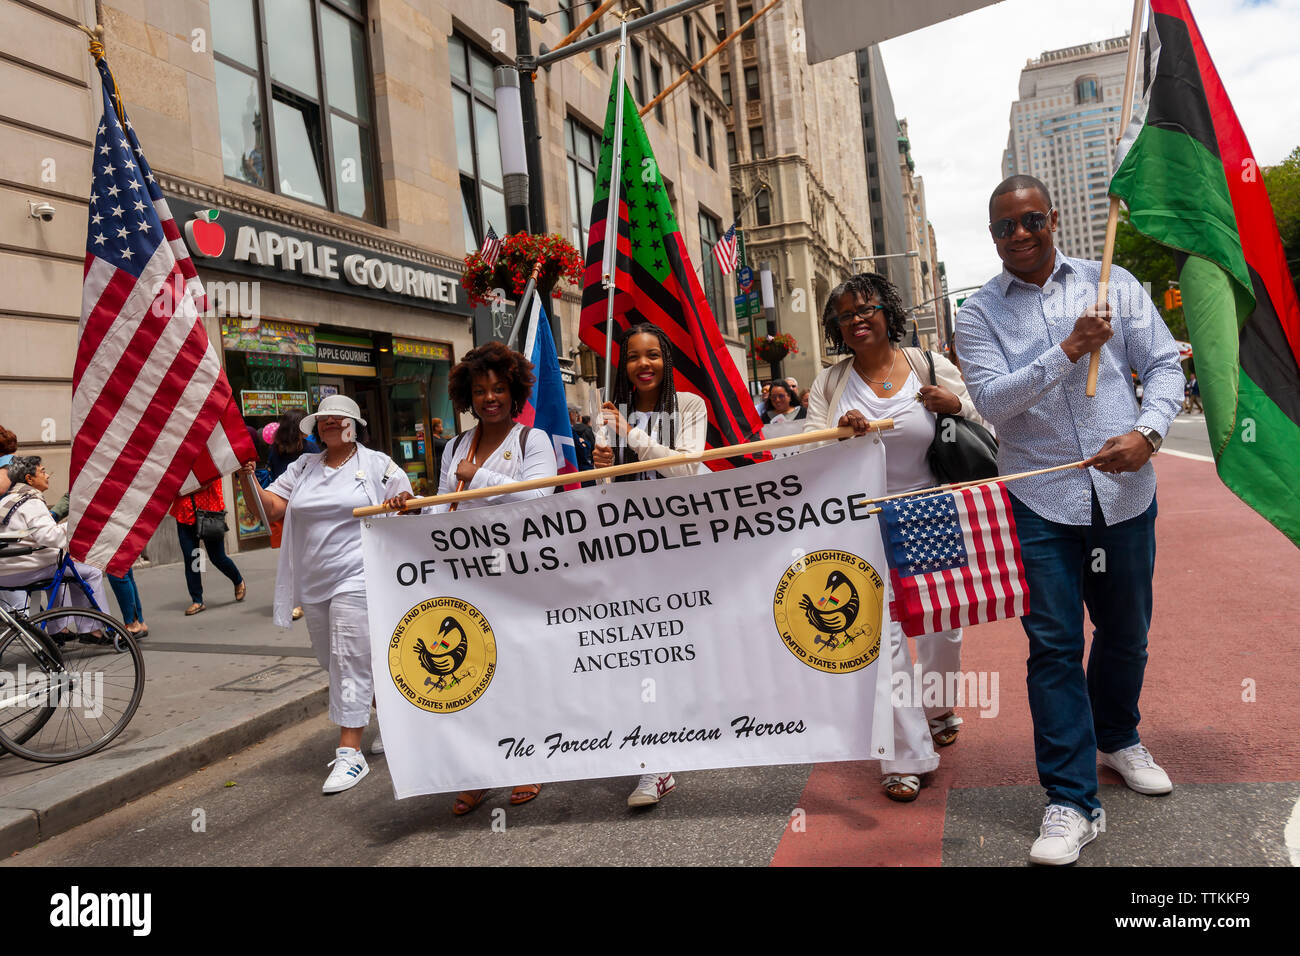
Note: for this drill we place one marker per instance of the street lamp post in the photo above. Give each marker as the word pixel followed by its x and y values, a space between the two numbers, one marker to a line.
pixel 528 106
pixel 514 158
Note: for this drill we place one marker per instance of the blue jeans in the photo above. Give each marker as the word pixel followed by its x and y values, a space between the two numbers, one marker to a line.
pixel 216 548
pixel 128 597
pixel 1077 713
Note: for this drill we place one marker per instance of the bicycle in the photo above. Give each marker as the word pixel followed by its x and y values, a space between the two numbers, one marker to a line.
pixel 71 678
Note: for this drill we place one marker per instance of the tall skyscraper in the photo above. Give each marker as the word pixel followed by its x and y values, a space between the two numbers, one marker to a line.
pixel 889 226
pixel 1063 130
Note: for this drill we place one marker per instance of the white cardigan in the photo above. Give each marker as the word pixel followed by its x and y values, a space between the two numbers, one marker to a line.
pixel 688 439
pixel 32 517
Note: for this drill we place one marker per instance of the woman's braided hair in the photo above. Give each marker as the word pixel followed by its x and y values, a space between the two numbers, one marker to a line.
pixel 624 393
pixel 865 284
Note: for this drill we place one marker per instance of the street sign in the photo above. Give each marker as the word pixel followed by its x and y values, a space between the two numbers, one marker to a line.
pixel 745 278
pixel 742 306
pixel 755 303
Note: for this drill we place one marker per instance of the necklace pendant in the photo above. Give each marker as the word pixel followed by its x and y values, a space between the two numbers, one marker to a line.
pixel 886 385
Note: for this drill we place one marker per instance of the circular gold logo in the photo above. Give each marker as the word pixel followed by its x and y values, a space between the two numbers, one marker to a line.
pixel 442 655
pixel 828 611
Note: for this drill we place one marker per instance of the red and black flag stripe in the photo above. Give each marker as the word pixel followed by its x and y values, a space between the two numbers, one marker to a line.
pixel 1191 182
pixel 656 282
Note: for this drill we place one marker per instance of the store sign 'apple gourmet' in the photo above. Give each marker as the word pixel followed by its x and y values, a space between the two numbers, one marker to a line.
pixel 230 242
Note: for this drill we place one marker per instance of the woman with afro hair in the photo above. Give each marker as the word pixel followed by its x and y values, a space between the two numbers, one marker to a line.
pixel 493 383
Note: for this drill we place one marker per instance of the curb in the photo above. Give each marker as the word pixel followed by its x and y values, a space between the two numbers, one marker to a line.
pixel 118 776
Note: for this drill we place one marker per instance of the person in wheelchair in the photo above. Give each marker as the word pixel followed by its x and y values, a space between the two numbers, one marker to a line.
pixel 24 509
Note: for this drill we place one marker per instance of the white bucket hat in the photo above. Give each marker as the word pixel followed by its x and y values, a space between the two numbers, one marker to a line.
pixel 331 405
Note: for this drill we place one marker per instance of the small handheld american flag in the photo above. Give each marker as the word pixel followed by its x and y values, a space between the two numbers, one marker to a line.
pixel 726 251
pixel 491 247
pixel 954 559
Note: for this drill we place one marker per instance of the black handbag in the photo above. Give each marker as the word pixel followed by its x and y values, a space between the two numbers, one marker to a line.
pixel 208 524
pixel 962 450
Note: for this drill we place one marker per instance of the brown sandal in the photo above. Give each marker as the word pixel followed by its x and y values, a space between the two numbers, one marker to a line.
pixel 195 609
pixel 240 590
pixel 524 792
pixel 944 729
pixel 903 787
pixel 467 800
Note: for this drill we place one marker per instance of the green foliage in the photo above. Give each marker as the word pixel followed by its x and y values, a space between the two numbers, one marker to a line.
pixel 1150 262
pixel 1283 184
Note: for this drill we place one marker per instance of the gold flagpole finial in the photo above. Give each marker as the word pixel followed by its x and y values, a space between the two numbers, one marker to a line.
pixel 96 39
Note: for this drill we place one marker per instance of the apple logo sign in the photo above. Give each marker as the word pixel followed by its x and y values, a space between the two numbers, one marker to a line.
pixel 205 236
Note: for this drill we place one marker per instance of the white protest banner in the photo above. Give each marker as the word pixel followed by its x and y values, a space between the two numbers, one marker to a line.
pixel 780 430
pixel 728 619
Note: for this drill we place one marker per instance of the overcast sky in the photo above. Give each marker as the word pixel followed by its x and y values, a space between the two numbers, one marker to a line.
pixel 955 82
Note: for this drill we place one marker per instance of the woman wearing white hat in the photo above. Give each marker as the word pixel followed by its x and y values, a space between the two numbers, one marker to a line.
pixel 320 564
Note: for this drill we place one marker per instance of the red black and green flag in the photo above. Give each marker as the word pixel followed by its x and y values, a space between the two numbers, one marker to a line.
pixel 1190 181
pixel 655 282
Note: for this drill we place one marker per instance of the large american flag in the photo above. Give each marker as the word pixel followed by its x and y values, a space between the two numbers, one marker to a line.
pixel 726 251
pixel 954 559
pixel 152 412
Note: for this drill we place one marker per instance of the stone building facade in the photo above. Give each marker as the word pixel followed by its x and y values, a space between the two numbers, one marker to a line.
pixel 348 149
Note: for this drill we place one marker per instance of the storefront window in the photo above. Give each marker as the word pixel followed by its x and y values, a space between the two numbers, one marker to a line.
pixel 419 410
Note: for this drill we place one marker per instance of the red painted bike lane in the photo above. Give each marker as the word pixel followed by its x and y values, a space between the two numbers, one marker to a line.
pixel 1225 629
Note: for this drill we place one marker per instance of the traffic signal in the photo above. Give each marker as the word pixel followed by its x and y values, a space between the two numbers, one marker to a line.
pixel 1173 299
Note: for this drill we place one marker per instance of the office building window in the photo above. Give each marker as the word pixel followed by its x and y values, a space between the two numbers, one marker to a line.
pixel 726 87
pixel 731 148
pixel 743 13
pixel 1087 89
pixel 657 79
pixel 638 77
pixel 570 19
pixel 690 33
pixel 721 21
pixel 708 141
pixel 478 150
pixel 751 82
pixel 293 100
pixel 695 129
pixel 763 208
pixel 710 233
pixel 702 48
pixel 582 146
pixel 757 149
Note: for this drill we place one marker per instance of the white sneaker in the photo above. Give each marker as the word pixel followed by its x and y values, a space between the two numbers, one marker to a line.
pixel 350 769
pixel 377 745
pixel 1063 832
pixel 1138 768
pixel 650 789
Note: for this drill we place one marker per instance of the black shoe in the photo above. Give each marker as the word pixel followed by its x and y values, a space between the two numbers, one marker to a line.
pixel 98 640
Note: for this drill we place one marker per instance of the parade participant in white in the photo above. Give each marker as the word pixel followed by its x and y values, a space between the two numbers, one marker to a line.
pixel 661 422
pixel 493 382
pixel 320 567
pixel 24 509
pixel 864 316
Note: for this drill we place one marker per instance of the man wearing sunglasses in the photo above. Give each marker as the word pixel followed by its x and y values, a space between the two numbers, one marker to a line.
pixel 1087 537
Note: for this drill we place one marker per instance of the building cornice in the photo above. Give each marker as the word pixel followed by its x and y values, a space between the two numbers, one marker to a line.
pixel 275 208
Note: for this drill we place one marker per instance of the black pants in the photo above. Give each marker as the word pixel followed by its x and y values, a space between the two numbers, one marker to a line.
pixel 216 548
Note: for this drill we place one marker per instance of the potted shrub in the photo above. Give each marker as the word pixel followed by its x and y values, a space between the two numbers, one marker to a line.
pixel 520 252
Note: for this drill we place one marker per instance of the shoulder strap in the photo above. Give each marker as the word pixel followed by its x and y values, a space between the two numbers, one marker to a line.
pixel 929 360
pixel 837 392
pixel 456 442
pixel 523 439
pixel 17 504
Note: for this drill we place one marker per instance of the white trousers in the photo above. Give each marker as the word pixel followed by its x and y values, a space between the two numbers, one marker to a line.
pixel 938 653
pixel 340 636
pixel 70 593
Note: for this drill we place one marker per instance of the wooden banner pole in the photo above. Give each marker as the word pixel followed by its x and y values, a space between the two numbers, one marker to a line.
pixel 632 467
pixel 940 489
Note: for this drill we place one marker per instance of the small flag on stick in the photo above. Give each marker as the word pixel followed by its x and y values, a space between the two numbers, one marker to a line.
pixel 491 247
pixel 727 252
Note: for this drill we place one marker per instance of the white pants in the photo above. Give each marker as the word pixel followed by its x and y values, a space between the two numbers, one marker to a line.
pixel 340 636
pixel 938 653
pixel 70 593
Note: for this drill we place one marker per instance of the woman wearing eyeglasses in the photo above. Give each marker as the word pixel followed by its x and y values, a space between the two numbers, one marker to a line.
pixel 320 567
pixel 864 316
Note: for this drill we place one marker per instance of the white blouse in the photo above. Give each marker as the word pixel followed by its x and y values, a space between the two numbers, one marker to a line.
pixel 508 463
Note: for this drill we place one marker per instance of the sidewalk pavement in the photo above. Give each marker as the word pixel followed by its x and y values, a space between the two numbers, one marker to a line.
pixel 214 683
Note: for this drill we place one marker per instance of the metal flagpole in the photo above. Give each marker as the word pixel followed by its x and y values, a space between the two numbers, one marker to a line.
pixel 611 219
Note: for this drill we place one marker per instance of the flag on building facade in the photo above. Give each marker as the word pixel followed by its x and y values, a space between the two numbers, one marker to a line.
pixel 1189 178
pixel 152 412
pixel 954 559
pixel 726 252
pixel 547 410
pixel 656 283
pixel 491 248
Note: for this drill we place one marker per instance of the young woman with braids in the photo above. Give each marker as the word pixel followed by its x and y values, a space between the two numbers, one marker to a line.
pixel 493 383
pixel 660 422
pixel 864 316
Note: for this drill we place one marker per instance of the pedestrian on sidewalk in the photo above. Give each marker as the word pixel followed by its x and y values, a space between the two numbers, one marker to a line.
pixel 492 382
pixel 1087 536
pixel 320 567
pixel 128 600
pixel 185 510
pixel 864 317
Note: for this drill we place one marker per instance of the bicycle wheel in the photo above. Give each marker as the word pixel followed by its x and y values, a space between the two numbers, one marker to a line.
pixel 73 682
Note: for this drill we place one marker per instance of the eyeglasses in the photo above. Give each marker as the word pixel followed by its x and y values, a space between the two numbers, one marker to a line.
pixel 330 419
pixel 1032 221
pixel 861 312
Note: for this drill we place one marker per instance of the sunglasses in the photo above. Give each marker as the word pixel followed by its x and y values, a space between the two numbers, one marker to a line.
pixel 861 312
pixel 1032 221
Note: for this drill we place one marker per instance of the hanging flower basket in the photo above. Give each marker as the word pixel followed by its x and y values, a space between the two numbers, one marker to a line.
pixel 520 251
pixel 774 348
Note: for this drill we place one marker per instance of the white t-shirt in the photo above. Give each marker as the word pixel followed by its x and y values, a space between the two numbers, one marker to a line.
pixel 326 538
pixel 908 442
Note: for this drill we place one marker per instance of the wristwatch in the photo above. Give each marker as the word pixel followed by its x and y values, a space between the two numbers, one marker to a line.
pixel 1152 436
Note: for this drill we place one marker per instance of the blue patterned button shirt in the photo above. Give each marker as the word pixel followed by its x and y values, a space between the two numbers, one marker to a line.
pixel 1008 337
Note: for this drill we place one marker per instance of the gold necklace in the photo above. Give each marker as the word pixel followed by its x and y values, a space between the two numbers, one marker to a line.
pixel 344 461
pixel 885 383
